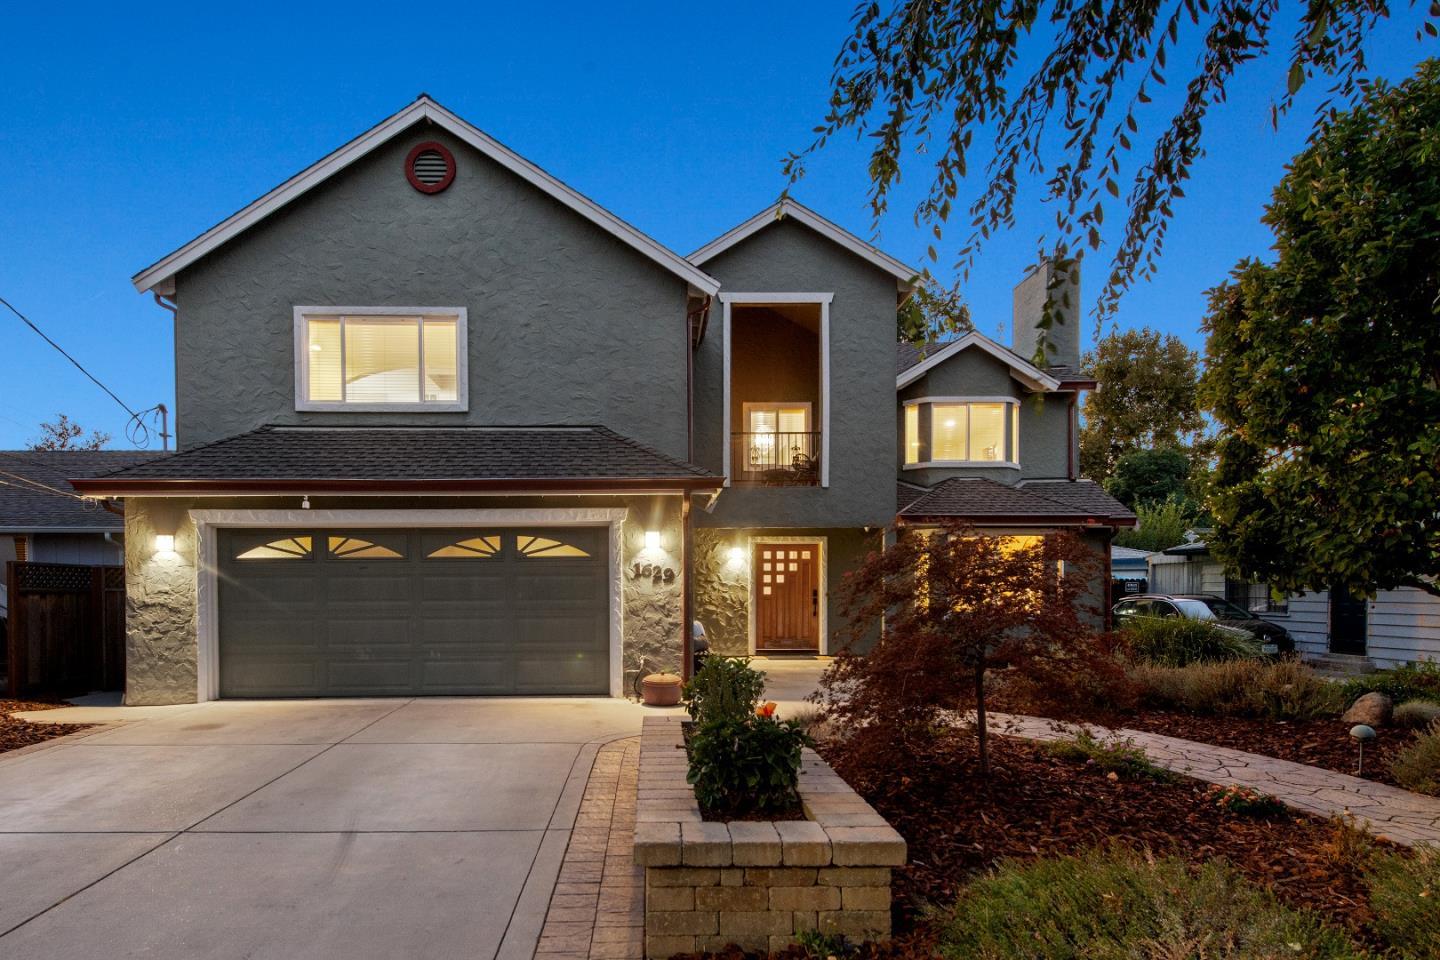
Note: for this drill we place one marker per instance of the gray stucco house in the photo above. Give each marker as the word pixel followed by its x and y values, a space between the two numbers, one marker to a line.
pixel 446 426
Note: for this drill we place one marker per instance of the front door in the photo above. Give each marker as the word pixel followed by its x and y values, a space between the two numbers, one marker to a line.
pixel 787 597
pixel 1347 622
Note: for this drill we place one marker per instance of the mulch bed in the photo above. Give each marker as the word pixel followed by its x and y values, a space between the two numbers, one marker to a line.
pixel 1034 805
pixel 16 733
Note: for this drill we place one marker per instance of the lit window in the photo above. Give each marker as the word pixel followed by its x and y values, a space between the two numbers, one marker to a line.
pixel 982 431
pixel 987 431
pixel 468 549
pixel 912 433
pixel 290 548
pixel 380 360
pixel 543 547
pixel 949 431
pixel 777 434
pixel 354 548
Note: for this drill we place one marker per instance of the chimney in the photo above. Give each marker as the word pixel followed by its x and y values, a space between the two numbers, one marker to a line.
pixel 1062 337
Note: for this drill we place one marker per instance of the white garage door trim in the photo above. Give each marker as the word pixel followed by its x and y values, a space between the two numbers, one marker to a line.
pixel 207 589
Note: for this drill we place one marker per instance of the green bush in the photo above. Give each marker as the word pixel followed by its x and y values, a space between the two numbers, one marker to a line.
pixel 1416 714
pixel 1177 642
pixel 1244 801
pixel 746 764
pixel 1117 905
pixel 1122 758
pixel 1414 681
pixel 725 687
pixel 1277 689
pixel 1403 895
pixel 1417 766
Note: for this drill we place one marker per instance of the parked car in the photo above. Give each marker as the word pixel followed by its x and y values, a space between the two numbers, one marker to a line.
pixel 1274 639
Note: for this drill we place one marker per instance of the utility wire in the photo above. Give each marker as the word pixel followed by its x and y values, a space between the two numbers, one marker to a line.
pixel 41 488
pixel 67 356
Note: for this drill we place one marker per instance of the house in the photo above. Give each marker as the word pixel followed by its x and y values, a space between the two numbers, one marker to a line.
pixel 1130 569
pixel 43 519
pixel 447 426
pixel 1396 627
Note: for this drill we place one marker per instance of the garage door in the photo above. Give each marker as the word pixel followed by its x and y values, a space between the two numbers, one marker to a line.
pixel 352 612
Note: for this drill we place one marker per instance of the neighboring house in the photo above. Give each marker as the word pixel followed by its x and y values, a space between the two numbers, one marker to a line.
pixel 1398 626
pixel 43 519
pixel 1130 569
pixel 446 426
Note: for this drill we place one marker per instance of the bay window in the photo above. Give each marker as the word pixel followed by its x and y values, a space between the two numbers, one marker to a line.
pixel 947 431
pixel 374 359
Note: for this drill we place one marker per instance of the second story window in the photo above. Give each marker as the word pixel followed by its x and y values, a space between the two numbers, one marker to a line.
pixel 374 359
pixel 952 431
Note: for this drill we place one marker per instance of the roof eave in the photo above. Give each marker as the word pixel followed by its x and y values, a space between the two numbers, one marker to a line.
pixel 1017 520
pixel 159 276
pixel 121 487
pixel 1028 374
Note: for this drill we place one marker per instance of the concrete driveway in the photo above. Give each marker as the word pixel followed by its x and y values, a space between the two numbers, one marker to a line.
pixel 284 829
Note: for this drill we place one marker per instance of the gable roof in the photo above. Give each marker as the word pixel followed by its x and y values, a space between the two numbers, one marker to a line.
pixel 1048 502
pixel 904 275
pixel 912 366
pixel 34 484
pixel 159 276
pixel 326 459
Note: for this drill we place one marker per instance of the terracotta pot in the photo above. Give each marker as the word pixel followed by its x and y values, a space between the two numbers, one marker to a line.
pixel 662 689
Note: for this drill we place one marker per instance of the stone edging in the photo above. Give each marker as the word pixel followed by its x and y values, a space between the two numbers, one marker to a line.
pixel 756 884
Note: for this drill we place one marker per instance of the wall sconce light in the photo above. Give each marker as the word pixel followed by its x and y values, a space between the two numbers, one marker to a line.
pixel 164 543
pixel 737 555
pixel 652 539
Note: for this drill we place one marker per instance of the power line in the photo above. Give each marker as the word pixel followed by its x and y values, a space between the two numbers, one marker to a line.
pixel 36 487
pixel 94 379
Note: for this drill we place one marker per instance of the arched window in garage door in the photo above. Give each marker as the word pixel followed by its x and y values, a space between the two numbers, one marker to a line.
pixel 545 547
pixel 287 548
pixel 468 548
pixel 345 547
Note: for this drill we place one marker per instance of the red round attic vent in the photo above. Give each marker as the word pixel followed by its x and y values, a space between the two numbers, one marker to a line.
pixel 430 167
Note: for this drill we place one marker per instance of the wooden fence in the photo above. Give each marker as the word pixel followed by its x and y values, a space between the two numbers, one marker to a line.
pixel 66 634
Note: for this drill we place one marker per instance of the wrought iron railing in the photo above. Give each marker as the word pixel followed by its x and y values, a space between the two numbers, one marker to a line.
pixel 775 459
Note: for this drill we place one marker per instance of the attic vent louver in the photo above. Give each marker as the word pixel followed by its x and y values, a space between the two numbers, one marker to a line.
pixel 430 167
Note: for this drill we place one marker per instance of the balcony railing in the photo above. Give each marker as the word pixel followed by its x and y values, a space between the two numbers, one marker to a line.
pixel 775 459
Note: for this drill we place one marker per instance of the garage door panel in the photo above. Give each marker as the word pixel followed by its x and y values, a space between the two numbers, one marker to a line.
pixel 395 612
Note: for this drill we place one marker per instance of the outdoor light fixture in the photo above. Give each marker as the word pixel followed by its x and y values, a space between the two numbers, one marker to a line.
pixel 1361 733
pixel 652 539
pixel 737 555
pixel 164 543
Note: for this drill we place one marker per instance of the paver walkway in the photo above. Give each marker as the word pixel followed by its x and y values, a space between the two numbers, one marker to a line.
pixel 598 909
pixel 1398 815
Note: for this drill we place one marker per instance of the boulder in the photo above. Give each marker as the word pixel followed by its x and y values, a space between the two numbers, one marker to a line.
pixel 1371 709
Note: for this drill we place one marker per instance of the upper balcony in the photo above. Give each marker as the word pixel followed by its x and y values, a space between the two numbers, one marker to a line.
pixel 776 394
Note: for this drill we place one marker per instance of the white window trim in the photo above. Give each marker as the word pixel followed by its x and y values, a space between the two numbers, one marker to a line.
pixel 758 299
pixel 460 404
pixel 207 587
pixel 1012 434
pixel 750 407
pixel 823 545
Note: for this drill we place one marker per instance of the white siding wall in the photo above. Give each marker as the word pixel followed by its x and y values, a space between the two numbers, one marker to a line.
pixel 1403 625
pixel 1308 621
pixel 86 549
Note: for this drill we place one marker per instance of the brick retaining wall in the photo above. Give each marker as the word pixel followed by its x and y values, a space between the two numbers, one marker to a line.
pixel 756 884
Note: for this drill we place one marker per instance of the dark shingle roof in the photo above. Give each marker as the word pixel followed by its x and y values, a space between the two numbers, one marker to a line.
pixel 908 493
pixel 354 457
pixel 1051 501
pixel 25 507
pixel 908 354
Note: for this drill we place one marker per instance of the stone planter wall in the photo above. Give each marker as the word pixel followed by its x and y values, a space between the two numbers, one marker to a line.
pixel 756 884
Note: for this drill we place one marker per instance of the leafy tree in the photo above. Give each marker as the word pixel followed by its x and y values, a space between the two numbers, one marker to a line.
pixel 924 77
pixel 955 603
pixel 64 434
pixel 1145 476
pixel 1324 367
pixel 1148 398
pixel 933 313
pixel 1162 524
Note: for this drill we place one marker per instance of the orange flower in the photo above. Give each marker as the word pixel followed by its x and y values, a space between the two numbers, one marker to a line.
pixel 766 709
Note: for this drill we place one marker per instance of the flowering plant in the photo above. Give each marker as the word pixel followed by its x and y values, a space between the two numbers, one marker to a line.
pixel 1244 801
pixel 767 709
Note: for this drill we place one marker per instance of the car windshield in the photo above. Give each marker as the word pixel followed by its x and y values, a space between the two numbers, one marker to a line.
pixel 1194 610
pixel 1212 608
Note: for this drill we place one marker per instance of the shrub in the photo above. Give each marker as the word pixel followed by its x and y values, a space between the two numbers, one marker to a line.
pixel 1403 894
pixel 1416 714
pixel 1414 681
pixel 1280 689
pixel 1122 758
pixel 1113 904
pixel 1177 642
pixel 1244 801
pixel 725 687
pixel 1350 847
pixel 1417 766
pixel 741 765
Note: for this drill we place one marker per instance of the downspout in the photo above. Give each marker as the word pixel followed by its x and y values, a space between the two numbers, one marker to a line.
pixel 174 309
pixel 1070 426
pixel 694 326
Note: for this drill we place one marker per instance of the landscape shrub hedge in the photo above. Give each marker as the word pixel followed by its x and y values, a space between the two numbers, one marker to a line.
pixel 1112 904
pixel 1277 689
pixel 1417 766
pixel 724 687
pixel 1176 642
pixel 746 765
pixel 1413 681
pixel 1416 714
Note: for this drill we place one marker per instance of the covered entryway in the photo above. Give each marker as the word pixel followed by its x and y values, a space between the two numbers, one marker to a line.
pixel 396 612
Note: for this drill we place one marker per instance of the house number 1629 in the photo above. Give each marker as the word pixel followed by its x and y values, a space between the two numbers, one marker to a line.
pixel 653 572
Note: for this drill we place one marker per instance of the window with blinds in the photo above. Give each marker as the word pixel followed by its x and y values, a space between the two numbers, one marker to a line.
pixel 373 359
pixel 962 432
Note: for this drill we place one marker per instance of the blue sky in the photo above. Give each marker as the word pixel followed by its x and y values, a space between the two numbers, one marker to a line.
pixel 125 131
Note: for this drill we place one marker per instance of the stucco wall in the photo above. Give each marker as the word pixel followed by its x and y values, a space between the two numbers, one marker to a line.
pixel 161 590
pixel 786 257
pixel 567 325
pixel 1044 419
pixel 723 585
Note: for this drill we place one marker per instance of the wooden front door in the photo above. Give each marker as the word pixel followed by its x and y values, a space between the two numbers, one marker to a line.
pixel 787 597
